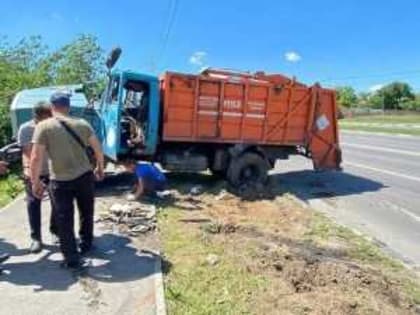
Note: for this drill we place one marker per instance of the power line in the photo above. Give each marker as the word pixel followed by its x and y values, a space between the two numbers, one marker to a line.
pixel 173 9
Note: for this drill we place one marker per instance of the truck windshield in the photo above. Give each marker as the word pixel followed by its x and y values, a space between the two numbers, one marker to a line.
pixel 135 108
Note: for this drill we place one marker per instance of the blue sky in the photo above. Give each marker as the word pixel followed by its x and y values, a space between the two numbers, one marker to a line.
pixel 361 43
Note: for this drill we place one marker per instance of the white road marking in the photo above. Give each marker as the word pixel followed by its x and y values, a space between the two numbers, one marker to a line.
pixel 381 149
pixel 380 170
pixel 408 213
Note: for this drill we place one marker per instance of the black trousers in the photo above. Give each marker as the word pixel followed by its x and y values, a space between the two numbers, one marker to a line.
pixel 64 193
pixel 33 206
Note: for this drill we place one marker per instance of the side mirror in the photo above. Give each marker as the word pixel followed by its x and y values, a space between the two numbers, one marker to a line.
pixel 113 57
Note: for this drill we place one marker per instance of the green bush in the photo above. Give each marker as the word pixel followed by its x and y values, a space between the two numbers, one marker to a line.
pixel 411 104
pixel 5 125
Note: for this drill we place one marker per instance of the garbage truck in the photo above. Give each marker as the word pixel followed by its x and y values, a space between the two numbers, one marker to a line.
pixel 235 124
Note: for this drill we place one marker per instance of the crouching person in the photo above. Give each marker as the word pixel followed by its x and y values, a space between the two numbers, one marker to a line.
pixel 150 178
pixel 41 112
pixel 65 140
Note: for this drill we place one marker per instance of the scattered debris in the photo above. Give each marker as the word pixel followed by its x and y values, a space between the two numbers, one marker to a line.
pixel 212 227
pixel 222 195
pixel 217 227
pixel 196 190
pixel 212 259
pixel 132 218
pixel 164 194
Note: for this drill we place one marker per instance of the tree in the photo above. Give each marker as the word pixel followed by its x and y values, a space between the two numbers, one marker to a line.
pixel 376 101
pixel 413 104
pixel 363 99
pixel 395 94
pixel 30 63
pixel 80 61
pixel 346 96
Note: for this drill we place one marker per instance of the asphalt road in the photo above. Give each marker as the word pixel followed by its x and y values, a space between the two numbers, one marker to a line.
pixel 377 193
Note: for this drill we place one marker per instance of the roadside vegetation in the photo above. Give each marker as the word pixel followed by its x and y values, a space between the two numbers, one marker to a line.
pixel 225 255
pixel 394 124
pixel 393 108
pixel 10 187
pixel 393 96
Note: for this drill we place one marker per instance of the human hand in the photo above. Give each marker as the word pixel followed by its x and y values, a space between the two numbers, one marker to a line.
pixel 38 189
pixel 3 167
pixel 99 174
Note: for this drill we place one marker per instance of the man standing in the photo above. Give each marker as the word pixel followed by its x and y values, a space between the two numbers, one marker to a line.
pixel 41 112
pixel 65 139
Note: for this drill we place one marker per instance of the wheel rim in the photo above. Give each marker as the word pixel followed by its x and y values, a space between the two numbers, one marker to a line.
pixel 249 173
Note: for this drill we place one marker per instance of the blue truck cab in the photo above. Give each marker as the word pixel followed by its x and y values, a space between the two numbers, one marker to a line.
pixel 130 114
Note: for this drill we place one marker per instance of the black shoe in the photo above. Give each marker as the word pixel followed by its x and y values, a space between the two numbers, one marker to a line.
pixel 4 257
pixel 74 266
pixel 85 249
pixel 36 247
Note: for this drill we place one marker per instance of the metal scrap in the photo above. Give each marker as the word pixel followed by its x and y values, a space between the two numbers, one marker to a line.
pixel 132 218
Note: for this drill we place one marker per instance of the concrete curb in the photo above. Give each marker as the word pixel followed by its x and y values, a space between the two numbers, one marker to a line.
pixel 15 200
pixel 159 288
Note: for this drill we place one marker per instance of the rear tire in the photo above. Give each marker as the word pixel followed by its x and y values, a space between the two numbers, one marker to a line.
pixel 249 168
pixel 219 173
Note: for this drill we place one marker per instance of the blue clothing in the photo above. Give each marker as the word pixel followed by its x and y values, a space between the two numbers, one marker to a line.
pixel 152 176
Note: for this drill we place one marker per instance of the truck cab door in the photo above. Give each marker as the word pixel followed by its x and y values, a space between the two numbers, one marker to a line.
pixel 111 116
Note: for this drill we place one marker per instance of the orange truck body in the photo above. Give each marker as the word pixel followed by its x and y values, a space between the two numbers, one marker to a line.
pixel 220 106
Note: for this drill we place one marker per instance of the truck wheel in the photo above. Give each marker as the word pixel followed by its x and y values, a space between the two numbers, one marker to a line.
pixel 249 168
pixel 218 173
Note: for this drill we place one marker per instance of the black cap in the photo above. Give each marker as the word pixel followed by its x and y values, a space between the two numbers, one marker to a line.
pixel 60 99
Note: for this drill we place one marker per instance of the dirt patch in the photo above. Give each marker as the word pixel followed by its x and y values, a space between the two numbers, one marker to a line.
pixel 304 274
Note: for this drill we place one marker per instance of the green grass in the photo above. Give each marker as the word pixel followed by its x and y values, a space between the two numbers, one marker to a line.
pixel 393 130
pixel 193 286
pixel 10 187
pixel 403 118
pixel 365 251
pixel 383 123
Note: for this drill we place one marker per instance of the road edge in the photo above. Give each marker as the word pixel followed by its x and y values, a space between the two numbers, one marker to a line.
pixel 159 287
pixel 326 209
pixel 12 202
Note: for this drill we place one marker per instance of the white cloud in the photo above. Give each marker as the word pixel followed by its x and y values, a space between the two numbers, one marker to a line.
pixel 56 16
pixel 292 56
pixel 376 87
pixel 198 58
